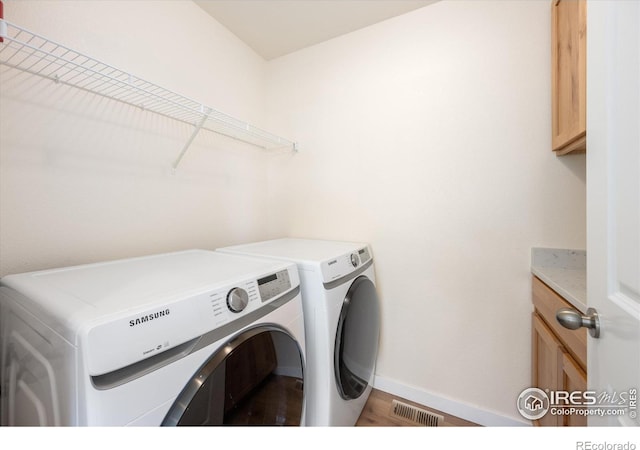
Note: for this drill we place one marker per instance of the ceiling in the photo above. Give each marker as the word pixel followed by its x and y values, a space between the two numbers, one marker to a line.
pixel 275 28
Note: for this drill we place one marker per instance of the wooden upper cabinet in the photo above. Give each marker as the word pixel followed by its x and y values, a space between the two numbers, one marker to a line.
pixel 569 75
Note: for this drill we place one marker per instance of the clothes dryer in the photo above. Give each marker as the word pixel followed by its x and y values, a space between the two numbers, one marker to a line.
pixel 342 322
pixel 187 338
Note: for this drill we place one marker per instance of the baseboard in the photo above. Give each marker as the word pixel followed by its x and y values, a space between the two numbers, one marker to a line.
pixel 455 408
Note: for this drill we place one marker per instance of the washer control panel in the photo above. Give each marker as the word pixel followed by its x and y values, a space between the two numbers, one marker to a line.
pixel 274 284
pixel 237 299
pixel 247 296
pixel 227 303
pixel 161 325
pixel 145 333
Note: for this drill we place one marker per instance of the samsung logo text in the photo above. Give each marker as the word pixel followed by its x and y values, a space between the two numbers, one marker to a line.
pixel 148 317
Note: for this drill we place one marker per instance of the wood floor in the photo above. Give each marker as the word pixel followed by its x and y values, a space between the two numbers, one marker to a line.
pixel 278 401
pixel 377 413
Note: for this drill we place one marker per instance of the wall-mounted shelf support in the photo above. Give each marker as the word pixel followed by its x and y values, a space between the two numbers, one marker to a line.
pixel 191 138
pixel 29 52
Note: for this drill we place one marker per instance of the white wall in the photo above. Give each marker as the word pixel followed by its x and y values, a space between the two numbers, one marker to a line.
pixel 428 136
pixel 84 179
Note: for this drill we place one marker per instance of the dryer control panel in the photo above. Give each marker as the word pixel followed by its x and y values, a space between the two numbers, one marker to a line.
pixel 343 265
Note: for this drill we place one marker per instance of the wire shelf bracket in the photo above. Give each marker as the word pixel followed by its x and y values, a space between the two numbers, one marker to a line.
pixel 29 52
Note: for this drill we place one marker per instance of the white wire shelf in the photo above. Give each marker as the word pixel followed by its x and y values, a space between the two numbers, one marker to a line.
pixel 29 52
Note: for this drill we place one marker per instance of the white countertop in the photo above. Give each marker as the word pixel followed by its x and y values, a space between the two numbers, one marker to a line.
pixel 564 271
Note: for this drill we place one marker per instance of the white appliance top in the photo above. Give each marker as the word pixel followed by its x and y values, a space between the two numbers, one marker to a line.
pixel 334 259
pixel 298 250
pixel 160 300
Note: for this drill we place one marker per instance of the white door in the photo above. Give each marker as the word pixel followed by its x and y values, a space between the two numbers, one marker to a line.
pixel 613 203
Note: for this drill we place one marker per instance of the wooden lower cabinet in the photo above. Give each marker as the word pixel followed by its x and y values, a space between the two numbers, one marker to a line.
pixel 545 351
pixel 572 378
pixel 556 366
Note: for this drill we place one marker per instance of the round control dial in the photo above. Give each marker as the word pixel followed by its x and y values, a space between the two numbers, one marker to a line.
pixel 237 299
pixel 355 259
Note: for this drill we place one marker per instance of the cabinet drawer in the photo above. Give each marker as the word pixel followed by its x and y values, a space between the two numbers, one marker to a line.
pixel 547 302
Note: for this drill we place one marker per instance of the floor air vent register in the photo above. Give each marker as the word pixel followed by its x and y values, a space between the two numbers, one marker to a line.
pixel 415 415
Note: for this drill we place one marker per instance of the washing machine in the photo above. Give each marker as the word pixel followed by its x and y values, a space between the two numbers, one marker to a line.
pixel 187 338
pixel 342 322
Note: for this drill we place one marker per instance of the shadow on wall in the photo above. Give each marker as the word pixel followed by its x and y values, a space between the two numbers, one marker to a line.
pixel 577 164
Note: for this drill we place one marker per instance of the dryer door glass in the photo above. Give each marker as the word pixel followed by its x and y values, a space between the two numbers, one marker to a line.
pixel 255 379
pixel 357 339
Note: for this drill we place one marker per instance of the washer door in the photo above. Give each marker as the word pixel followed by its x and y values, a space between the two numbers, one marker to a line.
pixel 254 379
pixel 357 339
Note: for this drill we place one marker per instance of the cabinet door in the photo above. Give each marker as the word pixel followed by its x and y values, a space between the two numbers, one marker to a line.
pixel 547 302
pixel 572 378
pixel 568 75
pixel 545 358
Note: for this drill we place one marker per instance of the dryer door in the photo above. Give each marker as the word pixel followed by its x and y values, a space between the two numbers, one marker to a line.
pixel 254 379
pixel 357 339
